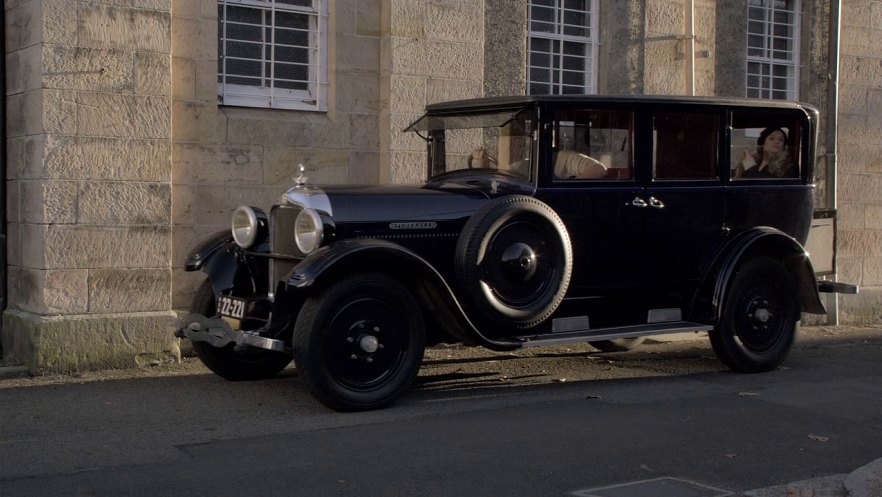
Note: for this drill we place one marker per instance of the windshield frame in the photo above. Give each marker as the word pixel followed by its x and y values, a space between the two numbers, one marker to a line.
pixel 511 132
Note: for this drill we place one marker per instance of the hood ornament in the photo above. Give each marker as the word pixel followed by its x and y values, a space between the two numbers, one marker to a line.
pixel 301 179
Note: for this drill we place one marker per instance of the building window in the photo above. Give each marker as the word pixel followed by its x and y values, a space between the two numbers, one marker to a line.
pixel 562 47
pixel 272 53
pixel 772 48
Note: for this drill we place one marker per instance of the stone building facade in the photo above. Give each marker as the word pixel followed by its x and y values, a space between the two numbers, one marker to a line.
pixel 119 157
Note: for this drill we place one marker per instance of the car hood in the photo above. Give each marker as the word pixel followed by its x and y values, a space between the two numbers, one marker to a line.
pixel 402 203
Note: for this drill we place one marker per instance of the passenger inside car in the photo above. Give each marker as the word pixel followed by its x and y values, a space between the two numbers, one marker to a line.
pixel 570 164
pixel 771 159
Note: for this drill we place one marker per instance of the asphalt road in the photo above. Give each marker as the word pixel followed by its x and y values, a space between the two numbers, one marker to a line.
pixel 542 422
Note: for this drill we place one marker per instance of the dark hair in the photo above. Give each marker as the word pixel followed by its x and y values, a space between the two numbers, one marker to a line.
pixel 765 134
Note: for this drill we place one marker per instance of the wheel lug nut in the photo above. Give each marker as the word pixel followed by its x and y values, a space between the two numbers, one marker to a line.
pixel 353 357
pixel 369 359
pixel 350 339
pixel 376 329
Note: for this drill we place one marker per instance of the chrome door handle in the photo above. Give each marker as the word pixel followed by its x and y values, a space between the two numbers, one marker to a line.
pixel 656 203
pixel 638 202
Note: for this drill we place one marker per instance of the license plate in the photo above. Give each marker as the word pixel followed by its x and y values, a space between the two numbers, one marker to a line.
pixel 231 306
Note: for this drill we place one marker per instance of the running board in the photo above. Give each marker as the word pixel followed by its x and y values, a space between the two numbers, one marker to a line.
pixel 589 335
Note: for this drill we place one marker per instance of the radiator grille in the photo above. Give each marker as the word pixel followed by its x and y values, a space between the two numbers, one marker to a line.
pixel 282 242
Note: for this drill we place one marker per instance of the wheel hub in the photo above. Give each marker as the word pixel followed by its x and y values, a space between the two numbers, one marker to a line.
pixel 519 261
pixel 369 343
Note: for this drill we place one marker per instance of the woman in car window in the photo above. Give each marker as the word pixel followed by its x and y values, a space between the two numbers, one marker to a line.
pixel 771 159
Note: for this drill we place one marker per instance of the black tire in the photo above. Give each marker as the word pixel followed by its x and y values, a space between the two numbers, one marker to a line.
pixel 234 365
pixel 618 344
pixel 358 344
pixel 760 318
pixel 514 261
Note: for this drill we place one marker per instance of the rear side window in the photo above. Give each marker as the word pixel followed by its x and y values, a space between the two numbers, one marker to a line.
pixel 764 146
pixel 685 146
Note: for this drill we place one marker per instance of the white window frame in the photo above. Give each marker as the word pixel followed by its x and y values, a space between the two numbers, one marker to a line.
pixel 559 36
pixel 770 60
pixel 314 97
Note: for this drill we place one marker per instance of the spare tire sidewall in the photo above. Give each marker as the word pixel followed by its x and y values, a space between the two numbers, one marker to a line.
pixel 524 226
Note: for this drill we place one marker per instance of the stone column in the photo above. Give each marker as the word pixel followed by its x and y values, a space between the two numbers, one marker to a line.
pixel 505 48
pixel 89 169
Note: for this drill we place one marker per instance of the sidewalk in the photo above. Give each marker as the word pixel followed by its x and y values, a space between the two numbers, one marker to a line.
pixel 865 481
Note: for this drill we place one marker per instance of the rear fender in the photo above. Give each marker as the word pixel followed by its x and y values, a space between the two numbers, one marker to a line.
pixel 763 241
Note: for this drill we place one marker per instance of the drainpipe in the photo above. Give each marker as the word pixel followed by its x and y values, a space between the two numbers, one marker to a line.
pixel 4 298
pixel 691 45
pixel 832 104
pixel 830 159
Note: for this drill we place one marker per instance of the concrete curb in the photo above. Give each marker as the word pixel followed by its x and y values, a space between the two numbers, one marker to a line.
pixel 13 372
pixel 865 481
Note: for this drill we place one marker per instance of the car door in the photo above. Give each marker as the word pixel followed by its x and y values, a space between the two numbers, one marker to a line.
pixel 683 195
pixel 589 181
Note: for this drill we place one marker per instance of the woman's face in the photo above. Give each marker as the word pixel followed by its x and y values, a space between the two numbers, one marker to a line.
pixel 774 142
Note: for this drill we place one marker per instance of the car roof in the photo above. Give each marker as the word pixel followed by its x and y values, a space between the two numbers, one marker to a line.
pixel 490 103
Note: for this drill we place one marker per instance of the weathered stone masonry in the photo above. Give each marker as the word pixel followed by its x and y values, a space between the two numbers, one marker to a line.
pixel 119 158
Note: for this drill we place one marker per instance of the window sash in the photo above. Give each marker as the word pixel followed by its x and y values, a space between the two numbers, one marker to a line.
pixel 772 49
pixel 271 53
pixel 561 46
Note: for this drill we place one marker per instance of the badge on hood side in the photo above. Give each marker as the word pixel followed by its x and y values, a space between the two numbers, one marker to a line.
pixel 425 225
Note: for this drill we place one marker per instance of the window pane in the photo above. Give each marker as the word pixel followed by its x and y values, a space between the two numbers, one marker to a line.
pixel 686 146
pixel 268 46
pixel 593 145
pixel 772 42
pixel 551 22
pixel 752 158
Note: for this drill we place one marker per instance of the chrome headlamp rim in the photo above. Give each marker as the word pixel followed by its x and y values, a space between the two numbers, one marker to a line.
pixel 244 226
pixel 309 230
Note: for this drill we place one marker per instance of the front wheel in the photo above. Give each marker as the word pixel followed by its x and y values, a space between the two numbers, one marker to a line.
pixel 358 344
pixel 760 318
pixel 228 362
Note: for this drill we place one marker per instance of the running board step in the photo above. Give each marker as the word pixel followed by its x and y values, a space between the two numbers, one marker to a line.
pixel 593 335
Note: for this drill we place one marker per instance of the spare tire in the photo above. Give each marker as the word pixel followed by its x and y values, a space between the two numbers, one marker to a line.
pixel 513 262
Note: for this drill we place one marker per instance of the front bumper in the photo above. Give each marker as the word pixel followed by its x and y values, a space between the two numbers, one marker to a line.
pixel 218 333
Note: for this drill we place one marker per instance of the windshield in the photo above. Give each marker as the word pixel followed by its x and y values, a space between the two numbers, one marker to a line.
pixel 490 142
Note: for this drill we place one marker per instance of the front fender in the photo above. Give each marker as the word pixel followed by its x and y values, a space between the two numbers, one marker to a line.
pixel 763 241
pixel 219 257
pixel 421 278
pixel 202 253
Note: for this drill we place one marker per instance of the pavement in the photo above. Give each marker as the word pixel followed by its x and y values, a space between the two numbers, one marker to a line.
pixel 865 481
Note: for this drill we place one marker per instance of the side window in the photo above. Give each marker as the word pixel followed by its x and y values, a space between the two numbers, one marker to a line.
pixel 764 147
pixel 593 144
pixel 685 146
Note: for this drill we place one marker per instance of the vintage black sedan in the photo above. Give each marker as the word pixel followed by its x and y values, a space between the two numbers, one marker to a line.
pixel 543 220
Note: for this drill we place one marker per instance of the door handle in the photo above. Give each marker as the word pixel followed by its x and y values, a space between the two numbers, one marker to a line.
pixel 656 203
pixel 638 202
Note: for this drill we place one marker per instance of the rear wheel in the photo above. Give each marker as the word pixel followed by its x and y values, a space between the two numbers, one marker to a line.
pixel 760 318
pixel 248 363
pixel 358 344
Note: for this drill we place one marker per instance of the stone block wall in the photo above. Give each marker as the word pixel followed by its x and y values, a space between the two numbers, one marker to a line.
pixel 227 156
pixel 89 183
pixel 860 160
pixel 667 59
pixel 432 51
